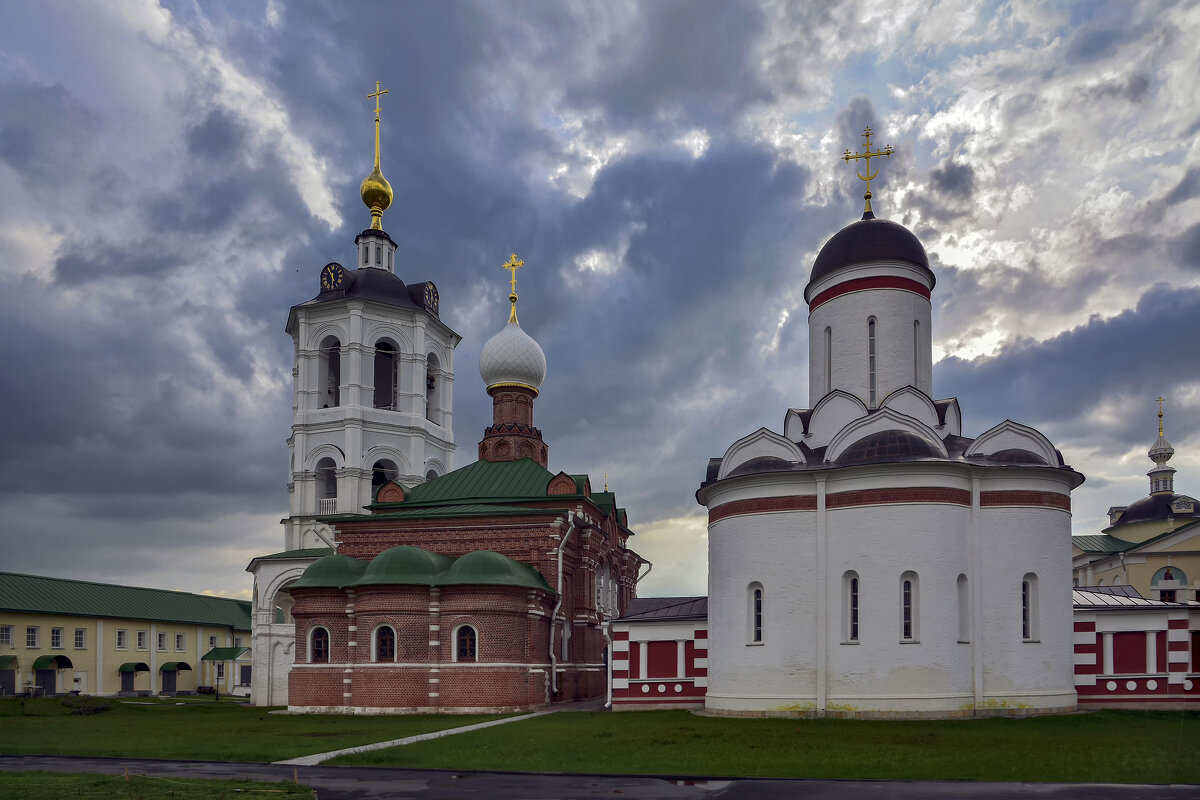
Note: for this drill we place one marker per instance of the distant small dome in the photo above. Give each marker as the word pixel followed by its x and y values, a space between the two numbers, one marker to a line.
pixel 404 564
pixel 332 572
pixel 869 239
pixel 1161 451
pixel 889 445
pixel 512 358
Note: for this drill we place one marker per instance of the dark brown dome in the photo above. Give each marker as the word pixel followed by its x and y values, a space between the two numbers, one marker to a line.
pixel 889 445
pixel 869 239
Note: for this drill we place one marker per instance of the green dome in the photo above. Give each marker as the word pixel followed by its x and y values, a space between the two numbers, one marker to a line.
pixel 490 568
pixel 405 564
pixel 332 572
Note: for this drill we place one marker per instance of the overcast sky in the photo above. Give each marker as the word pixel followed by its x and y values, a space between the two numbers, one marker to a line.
pixel 173 177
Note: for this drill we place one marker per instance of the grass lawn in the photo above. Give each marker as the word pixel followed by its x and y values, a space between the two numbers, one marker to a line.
pixel 1107 746
pixel 56 785
pixel 199 730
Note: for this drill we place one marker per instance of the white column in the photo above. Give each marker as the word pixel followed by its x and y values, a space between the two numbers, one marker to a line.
pixel 681 661
pixel 643 654
pixel 99 645
pixel 822 601
pixel 1106 649
pixel 1151 652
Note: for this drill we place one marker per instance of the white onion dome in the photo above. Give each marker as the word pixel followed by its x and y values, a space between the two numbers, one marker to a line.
pixel 512 358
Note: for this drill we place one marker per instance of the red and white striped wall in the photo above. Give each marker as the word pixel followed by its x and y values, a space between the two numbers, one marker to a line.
pixel 659 664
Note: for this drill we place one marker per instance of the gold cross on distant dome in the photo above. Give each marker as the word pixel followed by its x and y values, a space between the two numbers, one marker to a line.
pixel 868 155
pixel 512 265
pixel 378 93
pixel 1160 427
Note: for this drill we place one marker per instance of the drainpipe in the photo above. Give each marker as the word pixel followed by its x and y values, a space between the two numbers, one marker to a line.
pixel 649 567
pixel 607 628
pixel 554 614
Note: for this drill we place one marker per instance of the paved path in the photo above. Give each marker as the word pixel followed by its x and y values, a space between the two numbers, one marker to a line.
pixel 320 758
pixel 374 783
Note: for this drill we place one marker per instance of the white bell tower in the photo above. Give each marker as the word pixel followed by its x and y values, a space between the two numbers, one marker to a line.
pixel 373 380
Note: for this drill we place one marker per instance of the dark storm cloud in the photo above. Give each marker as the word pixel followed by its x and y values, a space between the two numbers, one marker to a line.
pixel 683 62
pixel 1091 45
pixel 1187 247
pixel 217 137
pixel 44 130
pixel 1145 351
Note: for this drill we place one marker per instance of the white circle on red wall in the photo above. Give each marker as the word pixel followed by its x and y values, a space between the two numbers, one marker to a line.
pixel 678 687
pixel 1111 686
pixel 1187 686
pixel 1152 685
pixel 1131 685
pixel 661 688
pixel 645 689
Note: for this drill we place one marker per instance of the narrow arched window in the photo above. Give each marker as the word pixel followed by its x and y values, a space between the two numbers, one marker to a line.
pixel 1029 603
pixel 909 607
pixel 850 584
pixel 871 360
pixel 377 256
pixel 385 644
pixel 329 380
pixel 465 644
pixel 828 359
pixel 326 486
pixel 386 366
pixel 755 614
pixel 432 412
pixel 916 352
pixel 964 610
pixel 318 649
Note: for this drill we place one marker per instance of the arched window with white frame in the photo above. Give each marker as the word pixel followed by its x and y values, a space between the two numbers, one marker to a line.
pixel 466 644
pixel 327 488
pixel 385 644
pixel 828 359
pixel 318 645
pixel 910 607
pixel 433 386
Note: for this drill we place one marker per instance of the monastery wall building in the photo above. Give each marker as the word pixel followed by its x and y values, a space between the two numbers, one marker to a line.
pixel 871 560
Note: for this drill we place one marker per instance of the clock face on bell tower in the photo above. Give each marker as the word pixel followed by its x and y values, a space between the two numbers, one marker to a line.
pixel 332 276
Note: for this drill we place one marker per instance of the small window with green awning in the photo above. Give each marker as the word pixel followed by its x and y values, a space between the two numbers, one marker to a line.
pixel 175 666
pixel 134 666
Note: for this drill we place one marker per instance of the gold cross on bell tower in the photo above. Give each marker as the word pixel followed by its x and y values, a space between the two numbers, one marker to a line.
pixel 512 265
pixel 1160 427
pixel 868 155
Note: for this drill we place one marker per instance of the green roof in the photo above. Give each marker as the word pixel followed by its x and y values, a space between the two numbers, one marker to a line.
pixel 39 595
pixel 1100 543
pixel 309 552
pixel 524 479
pixel 224 653
pixel 458 510
pixel 407 565
pixel 331 572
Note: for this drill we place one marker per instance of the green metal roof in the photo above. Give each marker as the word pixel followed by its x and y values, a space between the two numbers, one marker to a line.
pixel 134 666
pixel 523 479
pixel 175 666
pixel 309 552
pixel 8 662
pixel 224 653
pixel 460 510
pixel 404 564
pixel 40 595
pixel 52 662
pixel 493 569
pixel 1100 543
pixel 331 572
pixel 407 565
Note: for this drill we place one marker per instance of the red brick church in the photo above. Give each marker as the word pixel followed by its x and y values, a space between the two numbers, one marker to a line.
pixel 482 589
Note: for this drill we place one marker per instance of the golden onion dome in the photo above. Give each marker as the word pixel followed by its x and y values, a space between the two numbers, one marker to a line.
pixel 375 190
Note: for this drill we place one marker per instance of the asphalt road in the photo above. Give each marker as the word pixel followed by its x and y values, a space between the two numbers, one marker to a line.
pixel 372 783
